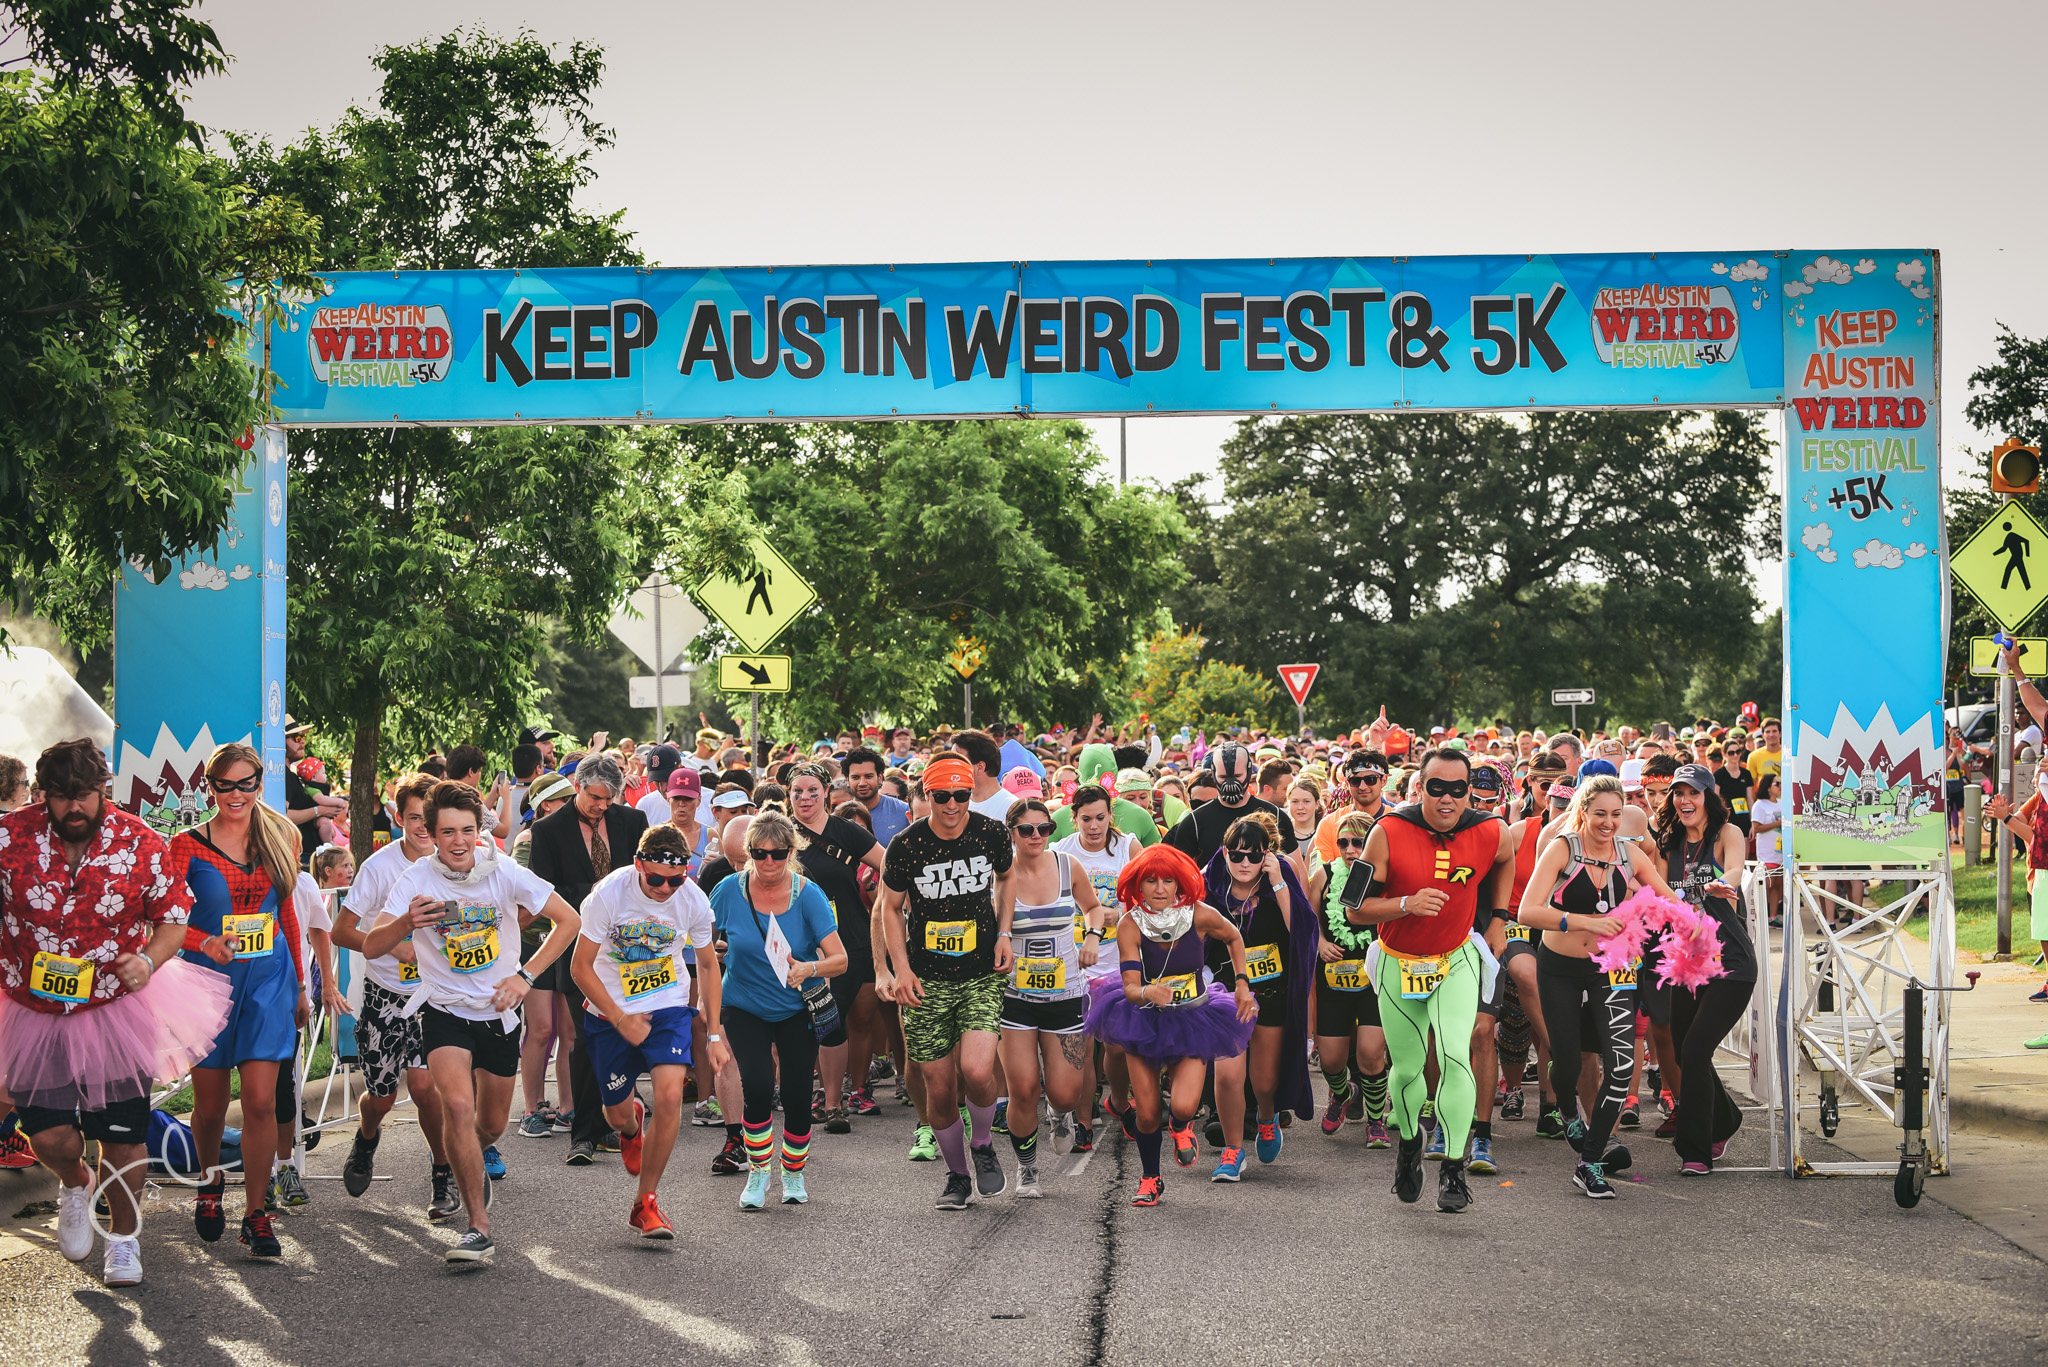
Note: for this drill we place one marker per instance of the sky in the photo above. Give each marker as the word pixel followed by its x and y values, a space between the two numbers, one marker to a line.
pixel 790 133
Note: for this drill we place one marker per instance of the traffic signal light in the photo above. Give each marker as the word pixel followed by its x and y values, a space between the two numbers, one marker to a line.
pixel 2015 469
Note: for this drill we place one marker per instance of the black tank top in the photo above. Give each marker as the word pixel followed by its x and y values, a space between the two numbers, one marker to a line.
pixel 1261 924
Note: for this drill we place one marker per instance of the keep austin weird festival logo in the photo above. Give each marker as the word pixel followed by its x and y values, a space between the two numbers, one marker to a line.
pixel 379 345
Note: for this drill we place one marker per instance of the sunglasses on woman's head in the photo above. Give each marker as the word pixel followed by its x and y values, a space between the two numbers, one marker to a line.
pixel 1041 828
pixel 772 856
pixel 945 797
pixel 1447 787
pixel 1246 856
pixel 232 785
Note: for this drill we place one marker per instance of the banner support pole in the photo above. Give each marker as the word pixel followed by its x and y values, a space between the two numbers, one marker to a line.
pixel 2005 706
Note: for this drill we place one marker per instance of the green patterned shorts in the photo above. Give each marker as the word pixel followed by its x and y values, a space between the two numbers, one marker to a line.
pixel 950 1010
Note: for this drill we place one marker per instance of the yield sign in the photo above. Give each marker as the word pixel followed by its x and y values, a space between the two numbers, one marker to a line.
pixel 1299 679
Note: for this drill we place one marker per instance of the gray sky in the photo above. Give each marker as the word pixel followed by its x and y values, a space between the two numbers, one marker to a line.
pixel 811 132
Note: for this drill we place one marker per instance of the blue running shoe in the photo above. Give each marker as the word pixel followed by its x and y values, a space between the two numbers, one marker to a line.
pixel 1482 1156
pixel 1001 1123
pixel 1434 1150
pixel 494 1166
pixel 1230 1168
pixel 1269 1142
pixel 755 1194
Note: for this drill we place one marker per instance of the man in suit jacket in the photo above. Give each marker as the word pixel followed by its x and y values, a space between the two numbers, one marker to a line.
pixel 582 842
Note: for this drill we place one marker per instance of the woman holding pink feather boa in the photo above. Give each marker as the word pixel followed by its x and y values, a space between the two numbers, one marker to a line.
pixel 1699 845
pixel 1579 881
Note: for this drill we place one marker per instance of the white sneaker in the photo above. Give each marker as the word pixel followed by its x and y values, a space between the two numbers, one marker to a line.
pixel 1063 1132
pixel 124 1261
pixel 74 1222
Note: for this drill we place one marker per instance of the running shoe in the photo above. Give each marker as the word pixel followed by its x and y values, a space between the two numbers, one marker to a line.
pixel 561 1122
pixel 836 1122
pixel 535 1126
pixel 1063 1132
pixel 1408 1170
pixel 1653 1077
pixel 1354 1095
pixel 1575 1133
pixel 1001 1123
pixel 706 1113
pixel 1511 1104
pixel 959 1192
pixel 1722 1146
pixel 1481 1161
pixel 1550 1125
pixel 1695 1170
pixel 1531 1072
pixel 1270 1140
pixel 582 1153
pixel 859 1102
pixel 988 1170
pixel 259 1236
pixel 1429 1115
pixel 473 1247
pixel 1666 1102
pixel 1667 1128
pixel 1027 1180
pixel 270 1198
pixel 925 1147
pixel 2041 996
pixel 207 1216
pixel 290 1190
pixel 902 1093
pixel 1333 1115
pixel 1148 1191
pixel 1618 1159
pixel 1588 1177
pixel 447 1199
pixel 1184 1147
pixel 879 1070
pixel 731 1159
pixel 1213 1131
pixel 648 1219
pixel 16 1153
pixel 629 1144
pixel 74 1222
pixel 2038 1042
pixel 1434 1150
pixel 1084 1138
pixel 1376 1136
pixel 609 1143
pixel 1229 1168
pixel 793 1193
pixel 1631 1114
pixel 124 1261
pixel 494 1164
pixel 755 1195
pixel 1452 1195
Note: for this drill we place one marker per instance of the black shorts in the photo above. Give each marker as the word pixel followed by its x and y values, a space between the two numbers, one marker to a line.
pixel 123 1122
pixel 489 1044
pixel 1049 1017
pixel 847 986
pixel 288 1085
pixel 1339 1011
pixel 1515 949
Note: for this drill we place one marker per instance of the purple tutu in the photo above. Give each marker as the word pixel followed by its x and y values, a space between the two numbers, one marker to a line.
pixel 1206 1028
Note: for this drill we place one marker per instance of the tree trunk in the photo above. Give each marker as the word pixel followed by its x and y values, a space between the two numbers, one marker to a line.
pixel 362 783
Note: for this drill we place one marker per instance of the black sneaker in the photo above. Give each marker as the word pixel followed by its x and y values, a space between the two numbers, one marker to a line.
pixel 582 1154
pixel 1084 1138
pixel 609 1143
pixel 472 1247
pixel 1653 1079
pixel 1213 1131
pixel 207 1216
pixel 731 1159
pixel 361 1162
pixel 259 1235
pixel 1631 1115
pixel 1589 1178
pixel 1618 1159
pixel 447 1200
pixel 1550 1125
pixel 1408 1170
pixel 835 1121
pixel 959 1192
pixel 988 1170
pixel 1511 1104
pixel 1354 1104
pixel 1452 1195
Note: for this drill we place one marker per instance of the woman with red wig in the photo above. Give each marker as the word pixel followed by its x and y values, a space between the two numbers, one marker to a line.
pixel 1164 1011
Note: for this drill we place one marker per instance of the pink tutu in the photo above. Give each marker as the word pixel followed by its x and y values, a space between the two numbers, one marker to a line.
pixel 88 1060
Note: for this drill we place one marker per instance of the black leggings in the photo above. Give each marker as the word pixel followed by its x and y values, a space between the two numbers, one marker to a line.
pixel 1706 1114
pixel 755 1044
pixel 1583 1013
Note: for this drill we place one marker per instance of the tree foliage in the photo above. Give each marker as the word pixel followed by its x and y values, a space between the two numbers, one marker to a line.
pixel 1465 564
pixel 1179 688
pixel 2009 399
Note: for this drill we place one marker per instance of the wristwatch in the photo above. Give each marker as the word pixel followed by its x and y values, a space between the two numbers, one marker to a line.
pixel 526 977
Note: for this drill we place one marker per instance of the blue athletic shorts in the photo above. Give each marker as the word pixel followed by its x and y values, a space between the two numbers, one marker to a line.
pixel 618 1064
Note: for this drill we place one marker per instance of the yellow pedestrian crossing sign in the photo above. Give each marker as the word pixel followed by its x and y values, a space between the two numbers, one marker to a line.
pixel 753 673
pixel 1984 653
pixel 2006 566
pixel 757 608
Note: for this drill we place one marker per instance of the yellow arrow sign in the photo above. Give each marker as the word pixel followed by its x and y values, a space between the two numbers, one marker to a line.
pixel 1984 654
pixel 2006 565
pixel 753 673
pixel 757 608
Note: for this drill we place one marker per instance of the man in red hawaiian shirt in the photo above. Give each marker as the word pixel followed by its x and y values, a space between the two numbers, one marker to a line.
pixel 92 910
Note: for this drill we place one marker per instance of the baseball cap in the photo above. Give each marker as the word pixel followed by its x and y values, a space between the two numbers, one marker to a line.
pixel 534 735
pixel 1546 762
pixel 664 762
pixel 1697 776
pixel 1024 783
pixel 1594 767
pixel 685 782
pixel 1486 777
pixel 1631 775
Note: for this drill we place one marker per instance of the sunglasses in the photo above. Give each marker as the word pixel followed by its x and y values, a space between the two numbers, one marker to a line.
pixel 1350 842
pixel 1041 828
pixel 659 880
pixel 1447 787
pixel 771 856
pixel 946 797
pixel 1246 856
pixel 229 785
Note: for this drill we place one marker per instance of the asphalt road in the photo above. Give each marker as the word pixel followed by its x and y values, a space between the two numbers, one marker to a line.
pixel 1310 1260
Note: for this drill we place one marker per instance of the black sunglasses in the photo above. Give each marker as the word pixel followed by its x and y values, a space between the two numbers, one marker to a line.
pixel 1447 787
pixel 662 880
pixel 230 785
pixel 1350 842
pixel 1369 776
pixel 772 856
pixel 1246 856
pixel 1041 828
pixel 946 797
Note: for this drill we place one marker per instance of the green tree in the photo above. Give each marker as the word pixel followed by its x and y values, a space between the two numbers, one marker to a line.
pixel 1179 688
pixel 429 564
pixel 1456 565
pixel 124 383
pixel 2008 399
pixel 917 533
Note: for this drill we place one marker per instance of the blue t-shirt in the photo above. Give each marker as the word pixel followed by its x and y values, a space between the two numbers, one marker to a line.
pixel 748 983
pixel 1015 754
pixel 890 816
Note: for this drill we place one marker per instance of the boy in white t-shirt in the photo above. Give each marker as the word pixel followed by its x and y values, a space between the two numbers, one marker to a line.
pixel 464 905
pixel 629 961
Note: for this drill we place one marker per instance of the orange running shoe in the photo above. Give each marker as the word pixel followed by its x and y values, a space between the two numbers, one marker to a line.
pixel 1184 1147
pixel 629 1144
pixel 648 1219
pixel 1148 1191
pixel 15 1152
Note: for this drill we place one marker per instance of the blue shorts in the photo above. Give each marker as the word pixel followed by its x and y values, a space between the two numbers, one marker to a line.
pixel 262 1024
pixel 618 1064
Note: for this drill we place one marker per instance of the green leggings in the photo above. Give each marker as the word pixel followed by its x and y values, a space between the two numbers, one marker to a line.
pixel 1451 1011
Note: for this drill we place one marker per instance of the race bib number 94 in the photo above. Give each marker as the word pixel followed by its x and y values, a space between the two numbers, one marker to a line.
pixel 1185 988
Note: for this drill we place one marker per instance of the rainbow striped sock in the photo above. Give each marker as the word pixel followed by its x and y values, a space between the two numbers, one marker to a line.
pixel 760 1141
pixel 795 1149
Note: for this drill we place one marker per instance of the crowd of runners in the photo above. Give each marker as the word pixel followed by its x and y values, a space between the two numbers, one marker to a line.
pixel 1055 939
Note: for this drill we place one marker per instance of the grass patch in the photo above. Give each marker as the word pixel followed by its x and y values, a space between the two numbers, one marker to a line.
pixel 180 1101
pixel 1976 891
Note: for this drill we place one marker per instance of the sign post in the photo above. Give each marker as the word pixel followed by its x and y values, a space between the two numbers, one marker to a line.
pixel 657 622
pixel 756 610
pixel 968 654
pixel 1298 680
pixel 1574 698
